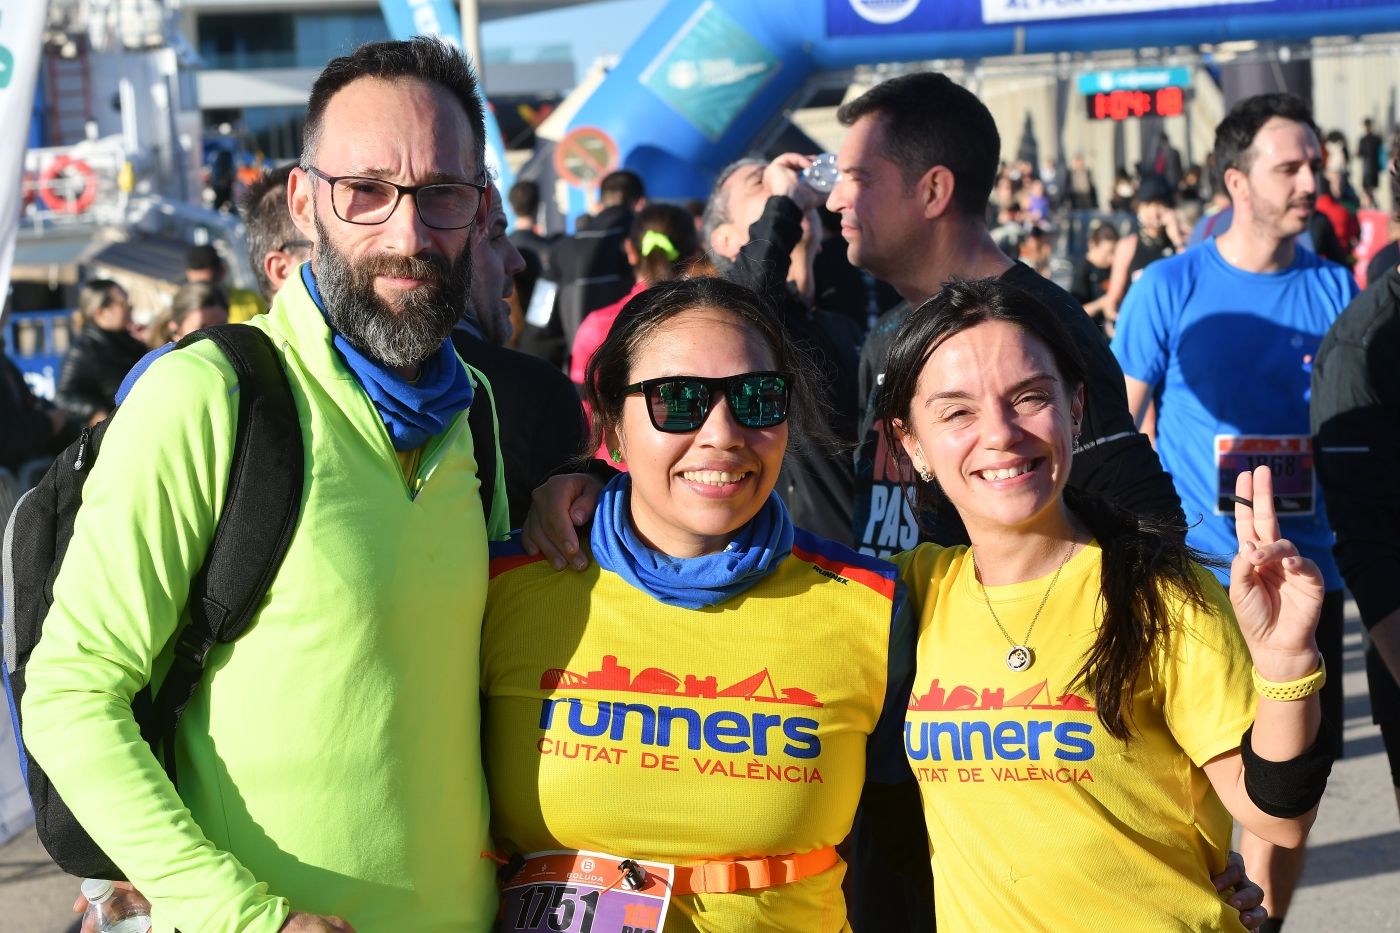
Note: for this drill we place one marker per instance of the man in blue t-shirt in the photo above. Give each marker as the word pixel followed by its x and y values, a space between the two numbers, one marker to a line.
pixel 1222 338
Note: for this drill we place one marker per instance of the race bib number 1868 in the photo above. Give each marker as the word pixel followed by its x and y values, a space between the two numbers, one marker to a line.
pixel 1288 457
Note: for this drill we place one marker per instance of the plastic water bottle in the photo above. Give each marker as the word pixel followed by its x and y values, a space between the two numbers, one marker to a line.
pixel 116 911
pixel 822 174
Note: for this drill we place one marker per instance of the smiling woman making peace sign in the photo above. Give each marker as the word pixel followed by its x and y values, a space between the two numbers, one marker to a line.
pixel 1082 705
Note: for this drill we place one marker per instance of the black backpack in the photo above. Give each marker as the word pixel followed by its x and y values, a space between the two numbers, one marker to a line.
pixel 250 540
pixel 260 513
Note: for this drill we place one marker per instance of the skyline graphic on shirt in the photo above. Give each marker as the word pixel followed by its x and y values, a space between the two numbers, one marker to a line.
pixel 758 687
pixel 963 697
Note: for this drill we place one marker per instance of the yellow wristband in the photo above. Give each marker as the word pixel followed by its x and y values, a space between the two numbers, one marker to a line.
pixel 1294 689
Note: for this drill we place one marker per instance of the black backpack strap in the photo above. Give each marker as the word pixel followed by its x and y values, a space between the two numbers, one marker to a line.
pixel 261 506
pixel 481 416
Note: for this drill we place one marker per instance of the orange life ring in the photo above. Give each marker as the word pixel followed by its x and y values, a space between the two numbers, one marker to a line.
pixel 28 188
pixel 55 201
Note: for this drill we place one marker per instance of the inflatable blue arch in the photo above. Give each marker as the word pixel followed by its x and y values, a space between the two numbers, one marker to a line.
pixel 706 77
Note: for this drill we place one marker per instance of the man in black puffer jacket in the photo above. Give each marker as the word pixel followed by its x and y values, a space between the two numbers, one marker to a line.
pixel 590 268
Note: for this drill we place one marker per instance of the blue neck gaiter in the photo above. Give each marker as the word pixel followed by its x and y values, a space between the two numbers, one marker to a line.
pixel 411 411
pixel 688 582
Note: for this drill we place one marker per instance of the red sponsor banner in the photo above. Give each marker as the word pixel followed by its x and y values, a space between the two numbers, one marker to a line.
pixel 1375 233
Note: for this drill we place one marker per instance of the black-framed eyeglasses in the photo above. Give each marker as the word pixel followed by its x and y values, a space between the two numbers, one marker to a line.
pixel 442 206
pixel 680 404
pixel 295 244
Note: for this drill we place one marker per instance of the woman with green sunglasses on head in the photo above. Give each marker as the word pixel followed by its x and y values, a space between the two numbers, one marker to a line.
pixel 661 247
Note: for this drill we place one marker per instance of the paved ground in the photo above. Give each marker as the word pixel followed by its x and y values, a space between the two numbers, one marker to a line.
pixel 1352 881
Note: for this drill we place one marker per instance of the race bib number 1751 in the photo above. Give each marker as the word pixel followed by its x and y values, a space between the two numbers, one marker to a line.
pixel 585 892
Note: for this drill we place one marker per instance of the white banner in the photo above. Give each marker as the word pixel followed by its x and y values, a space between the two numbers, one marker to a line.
pixel 21 22
pixel 20 25
pixel 1025 11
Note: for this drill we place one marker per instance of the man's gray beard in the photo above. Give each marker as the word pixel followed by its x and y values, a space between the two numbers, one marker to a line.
pixel 427 313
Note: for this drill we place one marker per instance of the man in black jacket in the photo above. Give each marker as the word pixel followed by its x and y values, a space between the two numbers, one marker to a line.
pixel 535 246
pixel 589 267
pixel 1368 153
pixel 33 429
pixel 1356 442
pixel 763 232
pixel 917 167
pixel 101 356
pixel 525 201
pixel 540 420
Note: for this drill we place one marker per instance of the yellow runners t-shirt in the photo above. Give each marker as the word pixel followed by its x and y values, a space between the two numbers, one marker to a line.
pixel 618 724
pixel 1038 819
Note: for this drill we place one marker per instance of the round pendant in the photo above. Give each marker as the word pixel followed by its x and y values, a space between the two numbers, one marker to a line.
pixel 1019 658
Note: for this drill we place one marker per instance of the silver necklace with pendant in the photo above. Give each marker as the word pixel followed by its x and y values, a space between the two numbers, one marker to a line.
pixel 1021 656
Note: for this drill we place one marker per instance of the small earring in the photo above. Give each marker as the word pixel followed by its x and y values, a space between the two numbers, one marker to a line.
pixel 617 455
pixel 1076 442
pixel 924 474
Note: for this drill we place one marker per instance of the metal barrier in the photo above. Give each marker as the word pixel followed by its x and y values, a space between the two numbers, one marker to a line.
pixel 37 341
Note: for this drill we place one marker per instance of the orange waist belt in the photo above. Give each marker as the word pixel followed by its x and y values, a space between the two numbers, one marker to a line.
pixel 725 876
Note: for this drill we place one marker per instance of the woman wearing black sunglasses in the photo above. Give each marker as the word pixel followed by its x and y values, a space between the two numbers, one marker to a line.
pixel 697 713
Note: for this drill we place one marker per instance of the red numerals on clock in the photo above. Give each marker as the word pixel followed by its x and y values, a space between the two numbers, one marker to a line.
pixel 1121 105
pixel 1170 101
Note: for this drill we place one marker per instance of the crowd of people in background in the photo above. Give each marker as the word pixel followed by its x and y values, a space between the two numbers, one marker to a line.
pixel 1137 283
pixel 1053 218
pixel 1050 217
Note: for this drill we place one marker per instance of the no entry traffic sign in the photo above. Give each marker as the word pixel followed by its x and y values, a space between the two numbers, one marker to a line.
pixel 584 156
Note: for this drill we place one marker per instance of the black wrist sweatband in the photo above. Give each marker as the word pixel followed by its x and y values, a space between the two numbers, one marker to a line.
pixel 1287 789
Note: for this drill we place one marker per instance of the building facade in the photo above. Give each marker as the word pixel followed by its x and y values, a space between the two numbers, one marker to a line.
pixel 261 56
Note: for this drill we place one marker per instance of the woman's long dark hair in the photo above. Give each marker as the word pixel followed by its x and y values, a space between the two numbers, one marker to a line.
pixel 1148 577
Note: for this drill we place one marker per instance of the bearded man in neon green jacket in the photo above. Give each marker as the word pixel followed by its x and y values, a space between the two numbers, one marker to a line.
pixel 330 760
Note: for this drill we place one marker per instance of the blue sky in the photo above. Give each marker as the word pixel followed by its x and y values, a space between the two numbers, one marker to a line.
pixel 594 30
